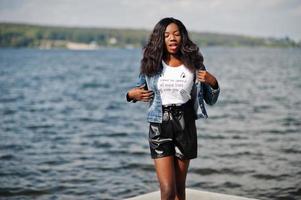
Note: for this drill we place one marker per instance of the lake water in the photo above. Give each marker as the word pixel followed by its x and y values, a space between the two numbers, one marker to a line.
pixel 66 131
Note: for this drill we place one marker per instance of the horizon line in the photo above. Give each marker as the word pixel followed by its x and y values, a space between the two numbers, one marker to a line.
pixel 143 29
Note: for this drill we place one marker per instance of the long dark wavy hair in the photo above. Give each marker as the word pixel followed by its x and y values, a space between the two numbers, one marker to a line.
pixel 155 49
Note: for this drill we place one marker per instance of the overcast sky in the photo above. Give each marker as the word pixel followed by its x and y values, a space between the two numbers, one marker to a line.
pixel 275 18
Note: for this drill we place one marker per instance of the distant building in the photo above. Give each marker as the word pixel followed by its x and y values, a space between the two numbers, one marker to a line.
pixel 82 46
pixel 112 41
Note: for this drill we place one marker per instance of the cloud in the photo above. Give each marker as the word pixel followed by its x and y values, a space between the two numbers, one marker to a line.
pixel 262 18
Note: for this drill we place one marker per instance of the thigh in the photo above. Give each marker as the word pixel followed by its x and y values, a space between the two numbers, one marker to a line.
pixel 181 168
pixel 165 169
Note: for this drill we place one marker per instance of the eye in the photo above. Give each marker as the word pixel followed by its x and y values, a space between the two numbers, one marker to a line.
pixel 166 35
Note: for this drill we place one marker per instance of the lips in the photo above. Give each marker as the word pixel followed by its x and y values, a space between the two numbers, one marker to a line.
pixel 173 46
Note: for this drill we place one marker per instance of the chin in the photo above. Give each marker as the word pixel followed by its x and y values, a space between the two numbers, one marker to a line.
pixel 173 52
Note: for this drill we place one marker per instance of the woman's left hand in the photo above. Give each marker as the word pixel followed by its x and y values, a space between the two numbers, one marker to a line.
pixel 205 77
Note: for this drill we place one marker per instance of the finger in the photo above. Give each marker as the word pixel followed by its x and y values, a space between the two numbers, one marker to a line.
pixel 202 80
pixel 201 77
pixel 146 99
pixel 147 95
pixel 202 71
pixel 141 86
pixel 147 92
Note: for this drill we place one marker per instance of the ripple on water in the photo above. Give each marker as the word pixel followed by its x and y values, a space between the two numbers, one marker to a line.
pixel 9 192
pixel 271 176
pixel 225 171
pixel 7 156
pixel 228 184
pixel 70 134
pixel 93 85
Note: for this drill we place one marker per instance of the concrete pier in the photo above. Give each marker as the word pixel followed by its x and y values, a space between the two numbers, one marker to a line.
pixel 192 194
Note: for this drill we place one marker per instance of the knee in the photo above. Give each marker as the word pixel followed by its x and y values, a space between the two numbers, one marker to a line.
pixel 168 191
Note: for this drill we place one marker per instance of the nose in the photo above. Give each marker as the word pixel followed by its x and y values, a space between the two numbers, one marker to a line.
pixel 172 37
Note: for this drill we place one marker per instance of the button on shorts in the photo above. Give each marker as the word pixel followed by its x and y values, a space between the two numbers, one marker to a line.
pixel 176 135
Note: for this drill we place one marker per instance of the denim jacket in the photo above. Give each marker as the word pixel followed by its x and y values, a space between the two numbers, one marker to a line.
pixel 200 92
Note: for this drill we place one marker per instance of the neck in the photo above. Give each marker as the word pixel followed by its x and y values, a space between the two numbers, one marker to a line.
pixel 173 60
pixel 172 57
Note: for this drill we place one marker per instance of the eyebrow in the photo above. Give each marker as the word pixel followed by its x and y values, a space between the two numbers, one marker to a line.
pixel 173 32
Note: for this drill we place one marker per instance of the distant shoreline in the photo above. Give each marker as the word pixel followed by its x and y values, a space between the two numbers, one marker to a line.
pixel 202 48
pixel 49 37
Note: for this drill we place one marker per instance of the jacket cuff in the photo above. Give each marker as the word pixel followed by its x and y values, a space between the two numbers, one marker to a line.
pixel 213 91
pixel 129 99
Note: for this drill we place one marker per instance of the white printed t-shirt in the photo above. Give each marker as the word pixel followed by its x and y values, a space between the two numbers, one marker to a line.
pixel 175 84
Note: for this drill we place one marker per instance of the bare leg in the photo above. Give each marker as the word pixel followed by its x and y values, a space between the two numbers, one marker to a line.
pixel 181 168
pixel 166 175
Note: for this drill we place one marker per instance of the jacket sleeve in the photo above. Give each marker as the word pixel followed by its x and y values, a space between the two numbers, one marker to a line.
pixel 210 94
pixel 140 81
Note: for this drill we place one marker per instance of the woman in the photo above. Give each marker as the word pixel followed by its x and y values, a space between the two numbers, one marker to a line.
pixel 174 80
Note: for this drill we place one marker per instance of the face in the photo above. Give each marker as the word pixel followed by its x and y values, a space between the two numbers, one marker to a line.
pixel 172 38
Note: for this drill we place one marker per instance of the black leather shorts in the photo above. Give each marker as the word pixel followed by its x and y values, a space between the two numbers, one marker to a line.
pixel 176 135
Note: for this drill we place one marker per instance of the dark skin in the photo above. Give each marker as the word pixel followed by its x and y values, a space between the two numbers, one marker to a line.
pixel 172 41
pixel 171 171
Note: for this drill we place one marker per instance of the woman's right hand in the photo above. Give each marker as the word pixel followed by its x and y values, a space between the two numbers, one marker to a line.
pixel 140 94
